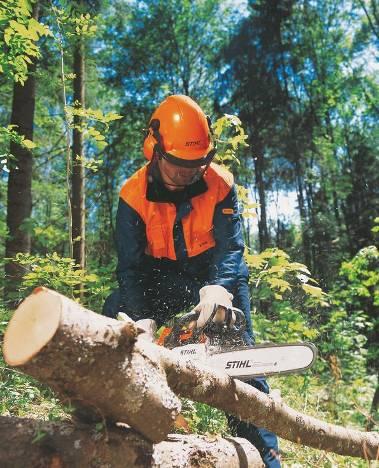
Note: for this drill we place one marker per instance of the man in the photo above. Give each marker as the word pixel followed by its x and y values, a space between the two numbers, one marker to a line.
pixel 179 236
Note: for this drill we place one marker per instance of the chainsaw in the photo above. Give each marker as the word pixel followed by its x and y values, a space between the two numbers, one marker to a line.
pixel 221 345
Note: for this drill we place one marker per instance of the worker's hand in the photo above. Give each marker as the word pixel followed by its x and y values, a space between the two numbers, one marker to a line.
pixel 210 297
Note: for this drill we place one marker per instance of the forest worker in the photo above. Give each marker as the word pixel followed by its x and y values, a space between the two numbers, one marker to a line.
pixel 179 236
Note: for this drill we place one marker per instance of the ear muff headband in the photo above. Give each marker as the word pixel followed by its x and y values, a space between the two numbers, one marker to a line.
pixel 158 147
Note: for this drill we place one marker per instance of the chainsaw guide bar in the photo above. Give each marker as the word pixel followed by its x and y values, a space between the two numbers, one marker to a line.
pixel 245 362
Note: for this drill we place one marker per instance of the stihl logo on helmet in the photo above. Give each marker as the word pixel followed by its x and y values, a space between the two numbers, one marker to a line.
pixel 193 143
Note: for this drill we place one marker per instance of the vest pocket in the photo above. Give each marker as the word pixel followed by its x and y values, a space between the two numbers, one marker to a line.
pixel 202 241
pixel 157 241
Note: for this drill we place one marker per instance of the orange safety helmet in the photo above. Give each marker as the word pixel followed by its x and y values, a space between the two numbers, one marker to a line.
pixel 181 133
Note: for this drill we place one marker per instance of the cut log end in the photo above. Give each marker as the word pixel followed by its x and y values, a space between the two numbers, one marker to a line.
pixel 32 326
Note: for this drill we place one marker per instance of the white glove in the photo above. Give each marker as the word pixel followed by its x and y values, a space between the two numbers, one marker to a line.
pixel 211 296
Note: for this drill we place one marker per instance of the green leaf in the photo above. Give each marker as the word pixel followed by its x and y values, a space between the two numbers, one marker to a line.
pixel 281 284
pixel 20 29
pixel 313 290
pixel 28 143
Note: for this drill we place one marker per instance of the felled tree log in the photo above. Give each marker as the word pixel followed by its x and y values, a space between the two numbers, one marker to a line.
pixel 101 365
pixel 89 361
pixel 31 443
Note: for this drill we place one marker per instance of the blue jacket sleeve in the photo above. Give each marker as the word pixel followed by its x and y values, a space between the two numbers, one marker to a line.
pixel 131 243
pixel 228 252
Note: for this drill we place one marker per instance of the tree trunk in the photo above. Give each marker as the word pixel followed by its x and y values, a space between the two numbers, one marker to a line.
pixel 19 194
pixel 78 172
pixel 299 174
pixel 106 371
pixel 61 444
pixel 374 407
pixel 264 238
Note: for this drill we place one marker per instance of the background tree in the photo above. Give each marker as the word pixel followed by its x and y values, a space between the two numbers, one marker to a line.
pixel 20 34
pixel 253 71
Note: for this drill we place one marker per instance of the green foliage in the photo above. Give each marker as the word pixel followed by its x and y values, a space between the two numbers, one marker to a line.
pixel 341 339
pixel 273 276
pixel 248 208
pixel 230 136
pixel 62 275
pixel 203 419
pixel 74 23
pixel 356 299
pixel 19 34
pixel 90 119
pixel 9 134
pixel 335 402
pixel 289 325
pixel 375 229
pixel 22 396
pixel 362 274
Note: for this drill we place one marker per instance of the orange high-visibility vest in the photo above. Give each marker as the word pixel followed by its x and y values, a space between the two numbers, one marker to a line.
pixel 159 218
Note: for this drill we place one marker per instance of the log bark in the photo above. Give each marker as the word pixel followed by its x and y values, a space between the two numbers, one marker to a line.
pixel 88 360
pixel 104 368
pixel 198 383
pixel 61 444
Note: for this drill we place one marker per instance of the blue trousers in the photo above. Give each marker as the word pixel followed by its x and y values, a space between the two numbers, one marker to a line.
pixel 168 293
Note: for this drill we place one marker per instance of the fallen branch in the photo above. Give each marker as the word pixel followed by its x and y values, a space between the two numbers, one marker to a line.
pixel 36 443
pixel 104 368
pixel 235 397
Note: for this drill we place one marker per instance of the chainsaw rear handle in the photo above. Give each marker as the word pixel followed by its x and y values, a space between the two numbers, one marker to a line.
pixel 209 328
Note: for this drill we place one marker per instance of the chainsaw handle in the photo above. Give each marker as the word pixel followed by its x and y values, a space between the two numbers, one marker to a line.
pixel 240 323
pixel 238 326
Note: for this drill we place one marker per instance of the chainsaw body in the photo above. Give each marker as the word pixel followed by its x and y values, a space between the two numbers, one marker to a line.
pixel 222 346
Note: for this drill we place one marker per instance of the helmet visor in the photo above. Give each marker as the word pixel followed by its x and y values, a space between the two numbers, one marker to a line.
pixel 190 163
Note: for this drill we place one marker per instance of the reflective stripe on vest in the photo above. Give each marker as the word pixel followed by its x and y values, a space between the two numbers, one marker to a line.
pixel 159 218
